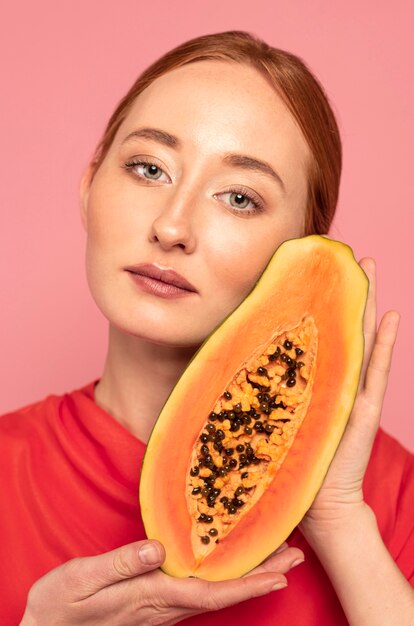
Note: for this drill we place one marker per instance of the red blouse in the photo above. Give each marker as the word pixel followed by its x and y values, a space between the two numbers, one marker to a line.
pixel 69 477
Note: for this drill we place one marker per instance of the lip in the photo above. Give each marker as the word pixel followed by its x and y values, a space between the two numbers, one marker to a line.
pixel 168 276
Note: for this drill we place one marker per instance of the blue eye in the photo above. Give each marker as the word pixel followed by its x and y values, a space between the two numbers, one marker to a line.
pixel 240 199
pixel 144 169
pixel 153 171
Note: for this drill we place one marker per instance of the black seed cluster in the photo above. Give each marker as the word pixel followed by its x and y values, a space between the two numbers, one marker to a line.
pixel 292 364
pixel 242 455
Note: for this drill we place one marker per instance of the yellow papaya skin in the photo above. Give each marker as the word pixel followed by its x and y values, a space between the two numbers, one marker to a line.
pixel 311 282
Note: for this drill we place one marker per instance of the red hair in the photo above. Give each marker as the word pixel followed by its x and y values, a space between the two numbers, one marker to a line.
pixel 295 84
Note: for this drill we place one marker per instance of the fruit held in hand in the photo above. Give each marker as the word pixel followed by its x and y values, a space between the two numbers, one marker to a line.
pixel 246 437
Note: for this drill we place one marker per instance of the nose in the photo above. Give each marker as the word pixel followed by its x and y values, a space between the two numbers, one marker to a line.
pixel 173 226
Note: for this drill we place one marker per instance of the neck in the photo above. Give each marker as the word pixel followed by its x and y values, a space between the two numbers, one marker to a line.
pixel 137 379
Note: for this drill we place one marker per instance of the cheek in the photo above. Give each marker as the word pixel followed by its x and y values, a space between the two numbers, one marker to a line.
pixel 109 240
pixel 118 225
pixel 109 218
pixel 239 260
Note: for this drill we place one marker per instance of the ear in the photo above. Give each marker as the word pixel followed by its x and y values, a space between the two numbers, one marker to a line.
pixel 85 185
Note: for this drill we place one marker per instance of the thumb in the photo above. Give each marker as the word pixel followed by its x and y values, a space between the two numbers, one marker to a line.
pixel 133 559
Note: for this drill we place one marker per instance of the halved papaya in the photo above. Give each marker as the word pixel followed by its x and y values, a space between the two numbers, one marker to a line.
pixel 245 439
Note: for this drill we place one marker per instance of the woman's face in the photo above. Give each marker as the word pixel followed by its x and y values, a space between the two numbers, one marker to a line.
pixel 193 206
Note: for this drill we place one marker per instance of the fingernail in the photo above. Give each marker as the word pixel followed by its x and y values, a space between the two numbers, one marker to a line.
pixel 149 554
pixel 279 585
pixel 297 562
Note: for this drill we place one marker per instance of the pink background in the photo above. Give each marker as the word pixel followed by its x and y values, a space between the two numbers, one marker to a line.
pixel 64 67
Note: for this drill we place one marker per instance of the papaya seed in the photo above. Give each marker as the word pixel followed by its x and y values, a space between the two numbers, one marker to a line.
pixel 244 421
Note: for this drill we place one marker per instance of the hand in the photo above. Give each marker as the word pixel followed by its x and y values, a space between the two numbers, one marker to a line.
pixel 125 587
pixel 341 493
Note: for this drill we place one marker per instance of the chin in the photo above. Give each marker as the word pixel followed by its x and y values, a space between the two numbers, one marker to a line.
pixel 160 325
pixel 163 333
pixel 171 340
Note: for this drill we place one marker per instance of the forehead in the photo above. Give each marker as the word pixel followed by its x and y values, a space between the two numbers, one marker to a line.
pixel 220 106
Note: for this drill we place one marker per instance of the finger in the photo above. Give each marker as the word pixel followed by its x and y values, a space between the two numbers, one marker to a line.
pixel 211 596
pixel 376 378
pixel 279 562
pixel 282 547
pixel 370 315
pixel 90 574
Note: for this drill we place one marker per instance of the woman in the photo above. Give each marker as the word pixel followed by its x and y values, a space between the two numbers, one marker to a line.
pixel 222 149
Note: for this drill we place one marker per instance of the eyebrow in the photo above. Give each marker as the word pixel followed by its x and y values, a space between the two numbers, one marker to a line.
pixel 242 161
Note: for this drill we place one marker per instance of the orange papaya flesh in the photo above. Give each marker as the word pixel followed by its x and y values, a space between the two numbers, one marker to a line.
pixel 246 437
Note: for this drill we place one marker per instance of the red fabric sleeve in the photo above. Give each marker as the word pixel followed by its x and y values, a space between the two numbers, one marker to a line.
pixel 389 490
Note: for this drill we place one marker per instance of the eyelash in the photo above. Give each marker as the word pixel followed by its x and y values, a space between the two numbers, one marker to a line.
pixel 255 200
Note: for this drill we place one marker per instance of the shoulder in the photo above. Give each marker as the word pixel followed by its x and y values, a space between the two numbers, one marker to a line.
pixel 28 423
pixel 18 422
pixel 389 490
pixel 391 465
pixel 25 436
